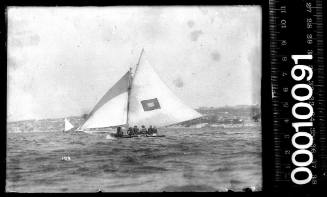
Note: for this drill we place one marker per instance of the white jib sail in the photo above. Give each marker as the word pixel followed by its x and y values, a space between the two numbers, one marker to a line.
pixel 152 102
pixel 111 110
pixel 68 125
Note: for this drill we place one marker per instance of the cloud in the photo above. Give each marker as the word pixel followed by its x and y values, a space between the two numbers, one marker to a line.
pixel 195 35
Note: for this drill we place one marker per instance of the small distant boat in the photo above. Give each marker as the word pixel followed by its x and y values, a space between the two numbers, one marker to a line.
pixel 68 125
pixel 138 98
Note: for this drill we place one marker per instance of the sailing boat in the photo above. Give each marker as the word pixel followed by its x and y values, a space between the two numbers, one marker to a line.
pixel 68 125
pixel 139 98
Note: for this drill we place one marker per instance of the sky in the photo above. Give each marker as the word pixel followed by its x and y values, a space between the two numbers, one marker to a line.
pixel 61 60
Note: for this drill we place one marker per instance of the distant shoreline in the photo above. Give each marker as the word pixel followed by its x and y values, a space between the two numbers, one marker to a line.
pixel 235 116
pixel 199 109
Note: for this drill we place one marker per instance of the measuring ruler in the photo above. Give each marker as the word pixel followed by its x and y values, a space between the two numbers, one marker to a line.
pixel 299 152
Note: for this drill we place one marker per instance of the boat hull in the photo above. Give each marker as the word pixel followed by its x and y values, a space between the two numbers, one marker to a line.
pixel 139 136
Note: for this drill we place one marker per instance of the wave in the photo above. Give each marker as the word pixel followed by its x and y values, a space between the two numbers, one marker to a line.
pixel 222 169
pixel 150 169
pixel 185 157
pixel 189 188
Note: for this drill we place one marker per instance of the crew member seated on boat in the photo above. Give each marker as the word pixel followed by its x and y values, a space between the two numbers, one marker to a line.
pixel 130 131
pixel 119 132
pixel 150 130
pixel 135 130
pixel 154 130
pixel 143 130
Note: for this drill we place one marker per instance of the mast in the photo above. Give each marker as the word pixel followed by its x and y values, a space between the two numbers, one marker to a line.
pixel 130 82
pixel 138 62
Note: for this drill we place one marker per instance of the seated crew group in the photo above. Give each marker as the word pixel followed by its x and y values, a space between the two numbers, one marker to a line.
pixel 136 131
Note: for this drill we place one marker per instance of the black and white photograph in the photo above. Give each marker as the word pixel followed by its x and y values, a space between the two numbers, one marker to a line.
pixel 134 99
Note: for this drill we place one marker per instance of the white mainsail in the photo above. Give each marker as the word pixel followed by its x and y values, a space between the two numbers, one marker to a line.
pixel 152 102
pixel 68 125
pixel 141 100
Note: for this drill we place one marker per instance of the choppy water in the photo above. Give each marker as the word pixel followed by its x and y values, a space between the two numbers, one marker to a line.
pixel 186 159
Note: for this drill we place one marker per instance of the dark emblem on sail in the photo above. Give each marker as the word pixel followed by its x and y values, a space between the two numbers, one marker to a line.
pixel 151 104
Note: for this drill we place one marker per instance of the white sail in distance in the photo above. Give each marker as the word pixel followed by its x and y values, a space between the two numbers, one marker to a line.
pixel 68 125
pixel 151 102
